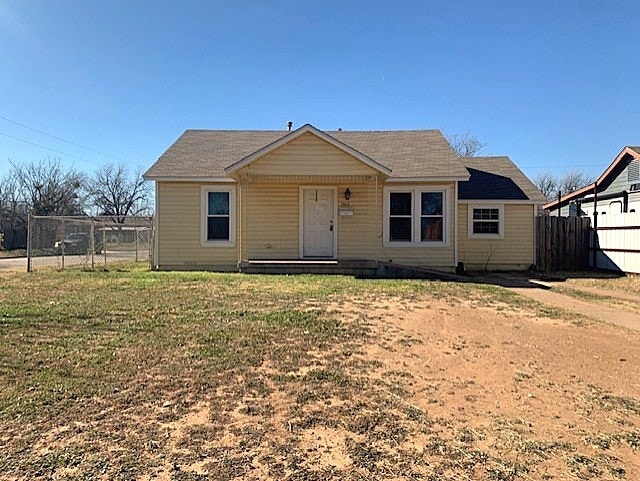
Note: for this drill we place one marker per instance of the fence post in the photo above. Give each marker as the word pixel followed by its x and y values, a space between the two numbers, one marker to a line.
pixel 64 235
pixel 29 234
pixel 152 242
pixel 104 243
pixel 92 244
pixel 135 231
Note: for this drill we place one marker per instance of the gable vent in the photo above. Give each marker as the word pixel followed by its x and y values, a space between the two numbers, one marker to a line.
pixel 633 171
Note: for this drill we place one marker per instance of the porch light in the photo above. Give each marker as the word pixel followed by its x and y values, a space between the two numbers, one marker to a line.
pixel 347 194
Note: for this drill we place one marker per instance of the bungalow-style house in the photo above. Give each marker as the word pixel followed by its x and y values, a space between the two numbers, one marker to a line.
pixel 236 200
pixel 618 190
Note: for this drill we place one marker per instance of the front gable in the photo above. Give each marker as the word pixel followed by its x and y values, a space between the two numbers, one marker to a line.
pixel 308 155
pixel 307 151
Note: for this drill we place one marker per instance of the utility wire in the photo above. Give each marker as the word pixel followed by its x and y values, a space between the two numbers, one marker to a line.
pixel 575 166
pixel 60 139
pixel 48 148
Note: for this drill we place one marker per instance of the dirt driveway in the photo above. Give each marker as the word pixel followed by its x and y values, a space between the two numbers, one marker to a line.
pixel 607 305
pixel 594 309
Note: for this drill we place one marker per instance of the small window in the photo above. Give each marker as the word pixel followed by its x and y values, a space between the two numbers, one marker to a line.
pixel 486 221
pixel 218 222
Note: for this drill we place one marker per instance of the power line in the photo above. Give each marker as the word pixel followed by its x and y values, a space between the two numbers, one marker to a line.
pixel 576 166
pixel 47 148
pixel 60 139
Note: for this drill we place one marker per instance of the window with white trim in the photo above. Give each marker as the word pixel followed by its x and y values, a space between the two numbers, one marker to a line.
pixel 415 216
pixel 218 216
pixel 431 216
pixel 400 216
pixel 486 221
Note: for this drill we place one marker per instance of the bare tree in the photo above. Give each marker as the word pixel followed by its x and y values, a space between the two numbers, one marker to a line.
pixel 465 145
pixel 574 180
pixel 48 189
pixel 114 192
pixel 547 183
pixel 550 185
pixel 13 211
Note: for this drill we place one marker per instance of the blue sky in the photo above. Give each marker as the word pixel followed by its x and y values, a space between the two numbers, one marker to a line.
pixel 552 84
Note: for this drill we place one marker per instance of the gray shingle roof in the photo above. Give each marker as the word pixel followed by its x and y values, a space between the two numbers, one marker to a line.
pixel 408 153
pixel 497 178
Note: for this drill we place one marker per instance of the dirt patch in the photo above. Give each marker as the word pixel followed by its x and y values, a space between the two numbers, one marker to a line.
pixel 516 385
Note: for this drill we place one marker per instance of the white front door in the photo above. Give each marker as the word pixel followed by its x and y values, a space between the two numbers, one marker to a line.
pixel 318 211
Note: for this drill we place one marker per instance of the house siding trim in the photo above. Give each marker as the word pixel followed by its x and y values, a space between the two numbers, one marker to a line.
pixel 398 180
pixel 190 179
pixel 499 202
pixel 156 236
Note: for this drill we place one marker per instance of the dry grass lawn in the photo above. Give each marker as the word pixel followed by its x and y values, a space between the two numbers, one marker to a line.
pixel 186 376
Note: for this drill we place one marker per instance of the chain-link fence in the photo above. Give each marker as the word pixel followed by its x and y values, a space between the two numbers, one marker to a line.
pixel 88 242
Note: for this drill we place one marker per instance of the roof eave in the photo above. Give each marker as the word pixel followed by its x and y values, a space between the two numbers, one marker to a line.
pixel 429 178
pixel 174 178
pixel 627 150
pixel 568 197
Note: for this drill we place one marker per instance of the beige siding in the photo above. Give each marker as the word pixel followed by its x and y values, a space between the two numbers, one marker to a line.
pixel 514 251
pixel 308 155
pixel 271 221
pixel 179 230
pixel 273 217
pixel 441 257
pixel 270 213
pixel 358 233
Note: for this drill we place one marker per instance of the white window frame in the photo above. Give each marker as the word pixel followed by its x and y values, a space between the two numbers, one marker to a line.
pixel 499 235
pixel 416 216
pixel 204 214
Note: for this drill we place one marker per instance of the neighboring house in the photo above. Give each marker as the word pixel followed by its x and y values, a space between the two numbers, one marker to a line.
pixel 226 200
pixel 618 190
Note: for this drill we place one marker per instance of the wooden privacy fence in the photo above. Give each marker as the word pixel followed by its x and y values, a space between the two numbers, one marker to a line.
pixel 562 243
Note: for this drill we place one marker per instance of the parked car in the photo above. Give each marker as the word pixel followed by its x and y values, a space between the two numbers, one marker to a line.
pixel 77 243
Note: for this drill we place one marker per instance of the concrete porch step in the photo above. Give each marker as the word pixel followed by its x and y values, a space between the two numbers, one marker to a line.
pixel 359 268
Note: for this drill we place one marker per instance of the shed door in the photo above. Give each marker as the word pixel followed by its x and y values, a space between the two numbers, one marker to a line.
pixel 318 218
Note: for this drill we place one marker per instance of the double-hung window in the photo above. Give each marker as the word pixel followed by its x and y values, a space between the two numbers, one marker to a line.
pixel 486 221
pixel 415 216
pixel 431 216
pixel 218 216
pixel 400 216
